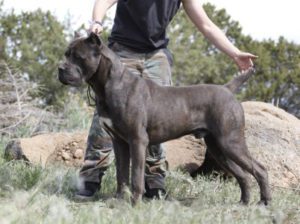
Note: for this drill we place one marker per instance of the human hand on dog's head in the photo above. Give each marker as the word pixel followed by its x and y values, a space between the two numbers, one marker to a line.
pixel 82 59
pixel 96 27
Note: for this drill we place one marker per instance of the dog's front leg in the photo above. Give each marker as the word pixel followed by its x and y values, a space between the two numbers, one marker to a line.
pixel 121 149
pixel 138 157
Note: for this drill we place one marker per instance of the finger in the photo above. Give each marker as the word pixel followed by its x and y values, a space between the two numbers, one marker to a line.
pixel 98 30
pixel 252 56
pixel 248 55
pixel 251 63
pixel 244 67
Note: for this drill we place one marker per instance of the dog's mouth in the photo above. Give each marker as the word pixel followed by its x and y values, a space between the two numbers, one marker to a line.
pixel 62 81
pixel 69 81
pixel 68 78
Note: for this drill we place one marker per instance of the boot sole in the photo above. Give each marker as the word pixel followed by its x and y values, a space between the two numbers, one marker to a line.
pixel 82 198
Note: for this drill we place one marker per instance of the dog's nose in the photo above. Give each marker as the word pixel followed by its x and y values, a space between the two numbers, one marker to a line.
pixel 61 67
pixel 60 70
pixel 61 77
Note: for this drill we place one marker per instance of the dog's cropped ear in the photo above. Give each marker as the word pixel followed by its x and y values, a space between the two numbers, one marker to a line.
pixel 76 35
pixel 94 39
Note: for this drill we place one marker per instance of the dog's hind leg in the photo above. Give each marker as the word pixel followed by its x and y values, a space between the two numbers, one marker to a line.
pixel 228 165
pixel 122 156
pixel 234 146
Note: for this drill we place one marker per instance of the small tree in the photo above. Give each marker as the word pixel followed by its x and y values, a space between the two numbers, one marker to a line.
pixel 19 111
pixel 34 42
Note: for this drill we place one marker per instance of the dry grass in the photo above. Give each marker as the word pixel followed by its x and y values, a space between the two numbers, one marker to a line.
pixel 31 194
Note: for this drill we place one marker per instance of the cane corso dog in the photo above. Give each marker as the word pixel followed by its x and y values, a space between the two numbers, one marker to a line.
pixel 140 112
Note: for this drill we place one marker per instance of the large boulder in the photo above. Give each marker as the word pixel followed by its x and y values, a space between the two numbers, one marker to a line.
pixel 273 138
pixel 272 135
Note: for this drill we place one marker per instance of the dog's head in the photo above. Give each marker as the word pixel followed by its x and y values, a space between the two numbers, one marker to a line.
pixel 82 59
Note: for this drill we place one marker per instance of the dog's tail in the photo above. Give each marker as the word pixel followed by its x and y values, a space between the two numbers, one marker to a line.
pixel 237 82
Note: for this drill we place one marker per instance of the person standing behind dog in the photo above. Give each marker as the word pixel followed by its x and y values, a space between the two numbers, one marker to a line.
pixel 139 37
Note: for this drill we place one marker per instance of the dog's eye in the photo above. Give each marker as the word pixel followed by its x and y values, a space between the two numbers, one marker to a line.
pixel 77 56
pixel 67 53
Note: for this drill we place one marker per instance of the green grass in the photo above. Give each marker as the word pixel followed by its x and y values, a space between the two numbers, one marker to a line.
pixel 32 194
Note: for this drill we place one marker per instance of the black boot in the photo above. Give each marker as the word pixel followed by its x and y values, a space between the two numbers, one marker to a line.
pixel 155 193
pixel 88 191
pixel 157 189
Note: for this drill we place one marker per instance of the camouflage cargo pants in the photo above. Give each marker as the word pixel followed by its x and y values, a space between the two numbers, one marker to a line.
pixel 99 153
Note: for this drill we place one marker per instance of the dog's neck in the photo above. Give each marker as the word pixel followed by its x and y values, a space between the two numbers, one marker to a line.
pixel 110 69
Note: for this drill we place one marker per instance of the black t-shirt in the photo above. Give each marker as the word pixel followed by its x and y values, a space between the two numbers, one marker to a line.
pixel 141 24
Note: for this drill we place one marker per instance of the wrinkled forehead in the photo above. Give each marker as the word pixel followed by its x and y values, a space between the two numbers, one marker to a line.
pixel 76 43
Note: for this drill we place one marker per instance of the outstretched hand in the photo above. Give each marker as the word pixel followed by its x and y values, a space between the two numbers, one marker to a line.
pixel 244 60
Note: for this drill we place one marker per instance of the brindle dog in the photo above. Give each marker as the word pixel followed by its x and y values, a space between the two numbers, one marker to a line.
pixel 142 113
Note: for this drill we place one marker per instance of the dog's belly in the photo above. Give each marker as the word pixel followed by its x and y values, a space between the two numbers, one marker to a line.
pixel 155 138
pixel 173 126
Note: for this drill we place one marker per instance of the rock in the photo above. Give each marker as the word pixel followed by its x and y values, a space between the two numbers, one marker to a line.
pixel 273 138
pixel 45 149
pixel 186 153
pixel 78 154
pixel 65 156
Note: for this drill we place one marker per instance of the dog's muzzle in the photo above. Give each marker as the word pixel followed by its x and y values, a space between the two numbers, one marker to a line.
pixel 61 77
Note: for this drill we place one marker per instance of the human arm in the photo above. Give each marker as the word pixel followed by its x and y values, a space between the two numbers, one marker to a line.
pixel 99 10
pixel 215 35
